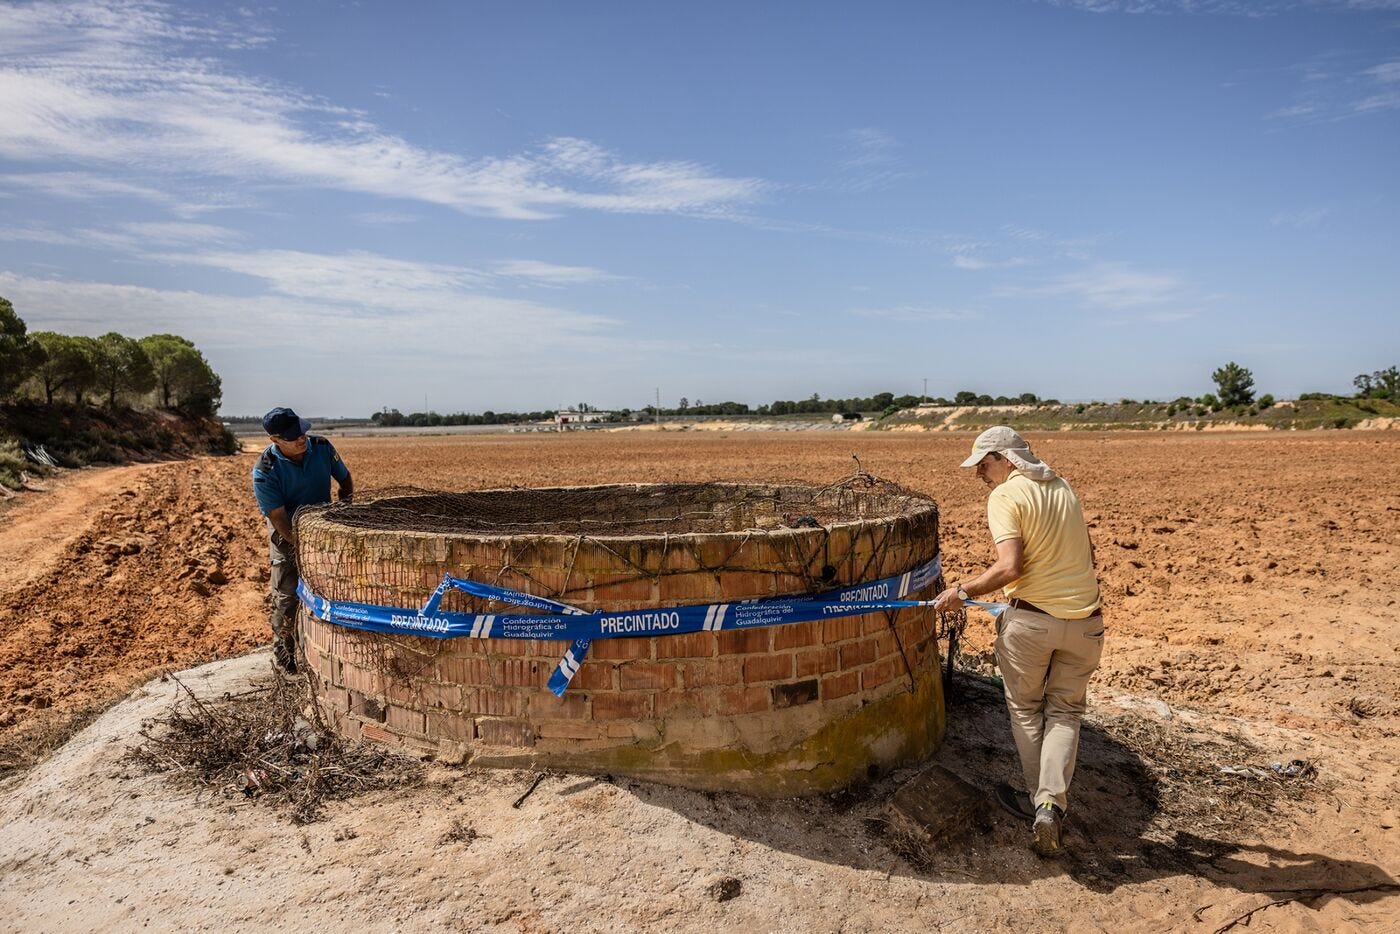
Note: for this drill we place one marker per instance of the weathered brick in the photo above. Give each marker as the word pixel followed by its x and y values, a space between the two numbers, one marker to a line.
pixel 794 635
pixel 505 732
pixel 839 685
pixel 572 706
pixel 351 729
pixel 336 699
pixel 406 721
pixel 366 706
pixel 882 672
pixel 469 671
pixel 742 641
pixel 435 695
pixel 839 630
pixel 358 679
pixel 719 671
pixel 626 594
pixel 456 727
pixel 816 661
pixel 886 644
pixel 791 695
pixel 739 700
pixel 855 654
pixel 620 649
pixel 495 702
pixel 646 676
pixel 687 645
pixel 873 623
pixel 330 669
pixel 522 672
pixel 683 589
pixel 517 648
pixel 593 676
pixel 568 729
pixel 682 704
pixel 378 734
pixel 621 706
pixel 759 668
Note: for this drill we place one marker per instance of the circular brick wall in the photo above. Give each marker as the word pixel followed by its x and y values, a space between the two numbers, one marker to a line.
pixel 777 710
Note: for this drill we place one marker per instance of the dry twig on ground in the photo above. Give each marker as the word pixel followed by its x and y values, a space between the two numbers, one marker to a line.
pixel 270 742
pixel 1208 782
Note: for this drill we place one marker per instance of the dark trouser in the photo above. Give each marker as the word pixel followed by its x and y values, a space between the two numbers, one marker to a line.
pixel 284 589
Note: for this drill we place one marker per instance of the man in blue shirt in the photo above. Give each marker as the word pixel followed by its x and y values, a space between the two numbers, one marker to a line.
pixel 295 470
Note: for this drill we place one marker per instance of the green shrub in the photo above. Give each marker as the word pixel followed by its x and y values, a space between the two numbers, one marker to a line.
pixel 1265 401
pixel 229 444
pixel 12 463
pixel 1079 409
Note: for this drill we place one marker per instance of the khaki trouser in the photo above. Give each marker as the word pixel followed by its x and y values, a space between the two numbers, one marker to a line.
pixel 1045 666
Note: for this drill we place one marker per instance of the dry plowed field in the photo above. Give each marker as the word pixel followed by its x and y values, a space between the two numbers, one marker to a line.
pixel 1251 590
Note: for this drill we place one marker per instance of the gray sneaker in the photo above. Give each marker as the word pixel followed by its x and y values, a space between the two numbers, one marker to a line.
pixel 1045 834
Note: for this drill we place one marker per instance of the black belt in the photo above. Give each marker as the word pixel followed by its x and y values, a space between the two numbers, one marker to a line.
pixel 1018 604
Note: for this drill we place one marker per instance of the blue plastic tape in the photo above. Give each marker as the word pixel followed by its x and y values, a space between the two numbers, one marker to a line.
pixel 561 621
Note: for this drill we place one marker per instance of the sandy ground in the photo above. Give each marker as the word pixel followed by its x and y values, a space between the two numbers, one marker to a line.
pixel 1251 590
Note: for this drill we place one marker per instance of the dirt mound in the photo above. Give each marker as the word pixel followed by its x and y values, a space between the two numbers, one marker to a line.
pixel 121 571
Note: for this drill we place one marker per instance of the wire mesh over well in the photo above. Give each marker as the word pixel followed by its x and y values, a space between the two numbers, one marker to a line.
pixel 629 509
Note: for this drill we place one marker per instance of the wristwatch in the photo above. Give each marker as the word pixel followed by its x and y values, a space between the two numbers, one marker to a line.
pixel 962 593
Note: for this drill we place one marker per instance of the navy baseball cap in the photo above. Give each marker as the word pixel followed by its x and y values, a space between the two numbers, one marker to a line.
pixel 285 424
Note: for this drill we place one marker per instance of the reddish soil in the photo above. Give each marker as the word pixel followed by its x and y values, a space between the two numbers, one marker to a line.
pixel 1250 584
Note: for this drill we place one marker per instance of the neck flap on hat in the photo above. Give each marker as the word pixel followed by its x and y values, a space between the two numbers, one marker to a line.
pixel 1030 465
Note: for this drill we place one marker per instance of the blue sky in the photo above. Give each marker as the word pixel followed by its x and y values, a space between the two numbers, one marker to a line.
pixel 520 205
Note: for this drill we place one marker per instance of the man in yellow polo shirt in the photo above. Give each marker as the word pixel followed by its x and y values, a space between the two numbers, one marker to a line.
pixel 1050 639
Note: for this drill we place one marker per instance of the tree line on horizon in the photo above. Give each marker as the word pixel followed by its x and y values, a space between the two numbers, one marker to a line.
pixel 165 370
pixel 1234 391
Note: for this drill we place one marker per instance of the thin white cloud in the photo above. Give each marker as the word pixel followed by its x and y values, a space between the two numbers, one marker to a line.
pixel 549 272
pixel 963 261
pixel 913 314
pixel 869 160
pixel 1337 87
pixel 439 320
pixel 143 235
pixel 1301 219
pixel 38 235
pixel 356 278
pixel 868 146
pixel 132 85
pixel 378 218
pixel 1108 285
pixel 81 186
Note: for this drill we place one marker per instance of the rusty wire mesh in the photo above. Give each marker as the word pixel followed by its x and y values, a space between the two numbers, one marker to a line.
pixel 625 509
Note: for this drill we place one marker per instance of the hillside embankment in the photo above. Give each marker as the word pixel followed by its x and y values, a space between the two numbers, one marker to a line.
pixel 36 438
pixel 1129 415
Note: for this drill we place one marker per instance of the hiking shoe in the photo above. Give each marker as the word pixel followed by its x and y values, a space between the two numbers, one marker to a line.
pixel 1045 835
pixel 1017 803
pixel 284 656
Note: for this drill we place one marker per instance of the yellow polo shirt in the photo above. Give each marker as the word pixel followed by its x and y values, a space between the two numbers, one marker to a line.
pixel 1057 564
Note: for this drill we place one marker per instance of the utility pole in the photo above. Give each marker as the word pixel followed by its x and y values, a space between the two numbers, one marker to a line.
pixel 925 396
pixel 658 405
